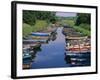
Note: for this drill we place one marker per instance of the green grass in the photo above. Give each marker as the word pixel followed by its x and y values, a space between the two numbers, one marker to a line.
pixel 68 22
pixel 82 28
pixel 85 26
pixel 27 29
pixel 39 25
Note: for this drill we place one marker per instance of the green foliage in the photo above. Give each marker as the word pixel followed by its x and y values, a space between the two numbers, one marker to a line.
pixel 68 18
pixel 30 17
pixel 85 26
pixel 27 29
pixel 40 25
pixel 68 22
pixel 82 30
pixel 83 18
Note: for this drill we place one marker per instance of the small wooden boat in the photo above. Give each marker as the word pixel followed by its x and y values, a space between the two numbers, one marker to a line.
pixel 27 63
pixel 39 37
pixel 77 54
pixel 75 38
pixel 78 47
pixel 27 60
pixel 26 66
pixel 81 48
pixel 26 46
pixel 33 41
pixel 78 59
pixel 33 46
pixel 26 53
pixel 26 56
pixel 40 34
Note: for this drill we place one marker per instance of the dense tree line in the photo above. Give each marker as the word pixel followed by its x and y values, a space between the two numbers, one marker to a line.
pixel 30 17
pixel 83 18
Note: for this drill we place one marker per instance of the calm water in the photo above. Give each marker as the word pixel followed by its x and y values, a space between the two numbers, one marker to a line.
pixel 52 55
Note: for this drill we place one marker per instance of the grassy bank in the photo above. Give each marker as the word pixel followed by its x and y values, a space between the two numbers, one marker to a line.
pixel 68 22
pixel 82 28
pixel 27 29
pixel 39 25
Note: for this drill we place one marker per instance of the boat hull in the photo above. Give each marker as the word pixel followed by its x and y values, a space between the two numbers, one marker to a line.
pixel 77 54
pixel 33 41
pixel 40 34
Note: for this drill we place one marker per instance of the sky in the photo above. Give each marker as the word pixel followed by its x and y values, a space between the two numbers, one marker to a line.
pixel 65 14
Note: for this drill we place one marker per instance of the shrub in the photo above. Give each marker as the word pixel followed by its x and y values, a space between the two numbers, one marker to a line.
pixel 39 25
pixel 27 29
pixel 85 26
pixel 68 22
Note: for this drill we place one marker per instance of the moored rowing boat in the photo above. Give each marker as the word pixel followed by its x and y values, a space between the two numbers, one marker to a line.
pixel 77 53
pixel 75 38
pixel 33 41
pixel 40 34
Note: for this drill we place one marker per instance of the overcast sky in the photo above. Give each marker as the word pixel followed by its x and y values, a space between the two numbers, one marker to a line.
pixel 65 14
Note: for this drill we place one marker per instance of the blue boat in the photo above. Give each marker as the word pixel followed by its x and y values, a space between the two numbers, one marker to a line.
pixel 40 34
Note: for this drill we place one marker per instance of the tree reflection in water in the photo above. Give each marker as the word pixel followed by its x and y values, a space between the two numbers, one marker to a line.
pixel 78 60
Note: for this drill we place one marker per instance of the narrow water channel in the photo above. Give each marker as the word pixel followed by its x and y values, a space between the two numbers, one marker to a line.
pixel 51 54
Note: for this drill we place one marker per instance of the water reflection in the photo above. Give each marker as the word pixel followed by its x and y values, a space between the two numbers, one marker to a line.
pixel 78 59
pixel 52 54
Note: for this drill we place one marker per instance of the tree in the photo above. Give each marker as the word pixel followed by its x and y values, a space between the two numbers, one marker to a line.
pixel 30 17
pixel 83 18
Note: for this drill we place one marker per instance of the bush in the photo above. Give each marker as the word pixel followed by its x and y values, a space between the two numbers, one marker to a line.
pixel 39 25
pixel 27 29
pixel 68 22
pixel 85 26
pixel 82 30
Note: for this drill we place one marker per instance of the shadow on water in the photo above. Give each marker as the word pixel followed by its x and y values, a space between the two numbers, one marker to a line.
pixel 78 60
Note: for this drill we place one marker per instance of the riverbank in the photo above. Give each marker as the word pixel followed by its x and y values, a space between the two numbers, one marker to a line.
pixel 33 42
pixel 83 28
pixel 78 47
